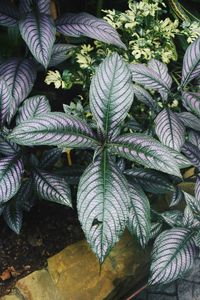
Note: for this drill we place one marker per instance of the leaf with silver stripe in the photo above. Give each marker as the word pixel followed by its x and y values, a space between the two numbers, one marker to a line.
pixel 26 198
pixel 172 256
pixel 170 130
pixel 56 129
pixel 188 218
pixel 192 202
pixel 9 14
pixel 161 69
pixel 189 120
pixel 191 101
pixel 38 31
pixel 180 159
pixel 102 203
pixel 33 107
pixel 11 171
pixel 143 96
pixel 194 138
pixel 13 216
pixel 5 101
pixel 156 228
pixel 111 94
pixel 146 151
pixel 192 153
pixel 139 222
pixel 197 189
pixel 176 197
pixel 150 180
pixel 52 187
pixel 84 24
pixel 42 6
pixel 191 63
pixel 60 53
pixel 49 158
pixel 7 147
pixel 19 75
pixel 173 218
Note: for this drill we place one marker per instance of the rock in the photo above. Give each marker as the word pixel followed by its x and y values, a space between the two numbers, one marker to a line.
pixel 76 272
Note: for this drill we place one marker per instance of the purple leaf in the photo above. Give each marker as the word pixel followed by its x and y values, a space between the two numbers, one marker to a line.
pixel 170 130
pixel 19 75
pixel 5 101
pixel 39 32
pixel 191 101
pixel 49 158
pixel 42 6
pixel 33 107
pixel 160 68
pixel 60 53
pixel 85 24
pixel 11 170
pixel 197 189
pixel 7 147
pixel 9 14
pixel 189 120
pixel 192 153
pixel 143 96
pixel 13 216
pixel 191 62
pixel 194 138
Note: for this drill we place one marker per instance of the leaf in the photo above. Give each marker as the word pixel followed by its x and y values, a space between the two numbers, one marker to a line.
pixel 188 218
pixel 7 147
pixel 42 6
pixel 60 53
pixel 170 130
pixel 173 255
pixel 9 14
pixel 192 153
pixel 191 63
pixel 25 197
pixel 176 198
pixel 197 189
pixel 150 180
pixel 149 78
pixel 161 69
pixel 102 203
pixel 11 170
pixel 13 216
pixel 156 227
pixel 5 100
pixel 38 31
pixel 192 202
pixel 191 101
pixel 139 222
pixel 84 24
pixel 180 159
pixel 145 151
pixel 194 138
pixel 50 157
pixel 121 164
pixel 52 187
pixel 33 107
pixel 173 218
pixel 189 120
pixel 143 96
pixel 56 129
pixel 111 94
pixel 19 75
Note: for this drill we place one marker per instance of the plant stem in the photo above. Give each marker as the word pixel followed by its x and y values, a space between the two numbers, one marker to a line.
pixel 137 292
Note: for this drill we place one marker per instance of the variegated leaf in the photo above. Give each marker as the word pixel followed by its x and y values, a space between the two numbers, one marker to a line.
pixel 26 198
pixel 194 138
pixel 192 152
pixel 19 75
pixel 156 228
pixel 13 216
pixel 145 151
pixel 11 170
pixel 41 6
pixel 111 94
pixel 49 158
pixel 170 130
pixel 173 218
pixel 60 53
pixel 191 101
pixel 188 218
pixel 150 180
pixel 173 255
pixel 56 129
pixel 161 69
pixel 143 96
pixel 191 63
pixel 176 198
pixel 149 78
pixel 197 189
pixel 7 147
pixel 192 202
pixel 189 120
pixel 180 159
pixel 52 187
pixel 102 203
pixel 33 107
pixel 84 24
pixel 9 14
pixel 5 101
pixel 121 164
pixel 139 222
pixel 39 32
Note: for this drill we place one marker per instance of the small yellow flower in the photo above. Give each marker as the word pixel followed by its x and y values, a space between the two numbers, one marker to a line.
pixel 55 78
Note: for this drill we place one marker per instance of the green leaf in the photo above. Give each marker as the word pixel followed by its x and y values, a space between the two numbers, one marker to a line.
pixel 56 129
pixel 111 94
pixel 173 218
pixel 192 202
pixel 52 187
pixel 145 151
pixel 139 222
pixel 102 204
pixel 173 255
pixel 13 216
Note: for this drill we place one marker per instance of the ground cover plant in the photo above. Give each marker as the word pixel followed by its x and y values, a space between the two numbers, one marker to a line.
pixel 130 167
